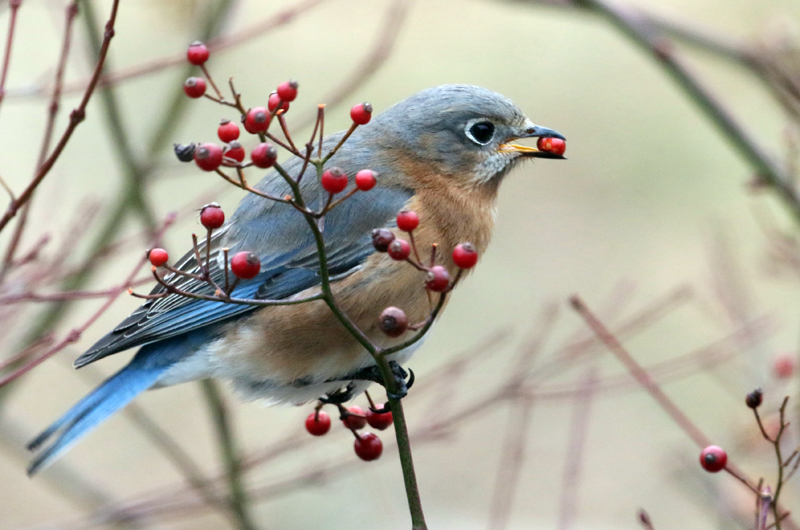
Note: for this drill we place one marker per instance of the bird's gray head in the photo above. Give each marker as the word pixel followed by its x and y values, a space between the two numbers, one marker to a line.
pixel 462 131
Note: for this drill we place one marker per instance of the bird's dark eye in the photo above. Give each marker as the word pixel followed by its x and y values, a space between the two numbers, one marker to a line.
pixel 481 132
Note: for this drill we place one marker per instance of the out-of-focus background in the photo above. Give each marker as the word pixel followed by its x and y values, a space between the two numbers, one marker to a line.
pixel 653 204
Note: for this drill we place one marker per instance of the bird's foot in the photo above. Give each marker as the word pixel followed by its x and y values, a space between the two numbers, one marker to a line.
pixel 373 373
pixel 340 395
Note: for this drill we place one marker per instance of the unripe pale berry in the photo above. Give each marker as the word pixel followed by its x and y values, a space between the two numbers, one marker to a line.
pixel 438 279
pixel 713 459
pixel 228 131
pixel 273 102
pixel 245 265
pixel 784 366
pixel 354 418
pixel 264 155
pixel 334 180
pixel 365 179
pixel 194 87
pixel 407 220
pixel 465 256
pixel 257 120
pixel 361 113
pixel 382 238
pixel 197 53
pixel 557 146
pixel 380 421
pixel 235 151
pixel 158 257
pixel 208 156
pixel 318 423
pixel 393 321
pixel 287 91
pixel 368 446
pixel 185 153
pixel 399 249
pixel 212 216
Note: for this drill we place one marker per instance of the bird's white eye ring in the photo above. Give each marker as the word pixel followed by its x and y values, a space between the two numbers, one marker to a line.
pixel 480 131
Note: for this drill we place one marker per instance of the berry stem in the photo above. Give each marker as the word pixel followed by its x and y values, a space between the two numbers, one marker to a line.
pixel 213 84
pixel 285 129
pixel 321 122
pixel 333 151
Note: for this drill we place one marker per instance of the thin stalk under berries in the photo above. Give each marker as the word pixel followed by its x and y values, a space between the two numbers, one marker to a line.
pixel 333 151
pixel 401 429
pixel 238 498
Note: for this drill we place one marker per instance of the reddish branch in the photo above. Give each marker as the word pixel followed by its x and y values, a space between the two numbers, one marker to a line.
pixel 75 118
pixel 12 24
pixel 220 43
pixel 72 12
pixel 645 380
pixel 74 335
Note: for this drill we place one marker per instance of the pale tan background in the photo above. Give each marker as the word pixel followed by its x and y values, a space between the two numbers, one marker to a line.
pixel 648 189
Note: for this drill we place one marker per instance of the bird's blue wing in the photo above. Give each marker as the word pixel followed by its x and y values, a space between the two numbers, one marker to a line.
pixel 282 239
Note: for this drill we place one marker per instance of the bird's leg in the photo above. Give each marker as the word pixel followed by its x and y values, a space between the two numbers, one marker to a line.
pixel 372 373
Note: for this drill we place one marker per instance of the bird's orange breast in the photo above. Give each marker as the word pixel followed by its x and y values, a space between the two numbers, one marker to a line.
pixel 287 343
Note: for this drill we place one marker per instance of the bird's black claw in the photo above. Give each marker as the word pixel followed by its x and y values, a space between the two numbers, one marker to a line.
pixel 373 374
pixel 337 397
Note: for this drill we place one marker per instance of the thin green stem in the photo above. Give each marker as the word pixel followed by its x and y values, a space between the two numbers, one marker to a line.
pixel 219 415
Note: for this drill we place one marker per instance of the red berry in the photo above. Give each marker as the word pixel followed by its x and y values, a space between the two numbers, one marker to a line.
pixel 407 220
pixel 158 257
pixel 245 265
pixel 365 179
pixel 784 366
pixel 361 113
pixel 318 423
pixel 465 256
pixel 228 131
pixel 379 421
pixel 197 53
pixel 274 100
pixel 557 146
pixel 382 238
pixel 287 91
pixel 235 151
pixel 212 216
pixel 208 157
pixel 257 120
pixel 399 249
pixel 334 180
pixel 368 446
pixel 354 418
pixel 713 459
pixel 194 87
pixel 264 155
pixel 393 321
pixel 438 279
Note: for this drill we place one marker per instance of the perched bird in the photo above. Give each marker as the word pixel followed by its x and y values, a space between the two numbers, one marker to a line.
pixel 442 153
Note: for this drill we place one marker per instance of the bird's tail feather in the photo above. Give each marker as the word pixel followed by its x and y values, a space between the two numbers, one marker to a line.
pixel 116 392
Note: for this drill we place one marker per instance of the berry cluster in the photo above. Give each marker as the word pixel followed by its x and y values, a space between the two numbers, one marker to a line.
pixel 243 265
pixel 393 321
pixel 368 446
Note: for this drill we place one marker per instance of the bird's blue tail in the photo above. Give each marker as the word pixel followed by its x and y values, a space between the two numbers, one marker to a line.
pixel 115 392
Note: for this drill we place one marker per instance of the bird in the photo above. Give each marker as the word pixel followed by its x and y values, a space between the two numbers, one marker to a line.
pixel 442 153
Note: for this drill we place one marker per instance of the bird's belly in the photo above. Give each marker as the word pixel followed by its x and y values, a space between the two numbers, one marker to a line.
pixel 290 353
